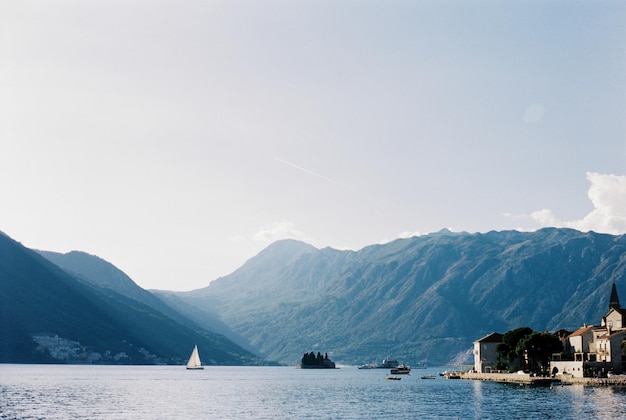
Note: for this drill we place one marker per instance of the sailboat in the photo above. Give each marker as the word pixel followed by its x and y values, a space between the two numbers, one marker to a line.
pixel 194 360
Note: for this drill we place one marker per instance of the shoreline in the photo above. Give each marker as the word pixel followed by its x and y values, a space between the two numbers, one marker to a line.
pixel 539 380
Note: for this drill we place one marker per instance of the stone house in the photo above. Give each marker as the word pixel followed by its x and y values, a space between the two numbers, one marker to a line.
pixel 485 354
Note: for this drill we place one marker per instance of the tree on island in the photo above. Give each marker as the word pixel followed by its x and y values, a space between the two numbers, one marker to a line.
pixel 523 348
pixel 310 359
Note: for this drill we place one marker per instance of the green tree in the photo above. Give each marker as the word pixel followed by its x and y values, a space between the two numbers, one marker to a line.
pixel 308 359
pixel 508 348
pixel 538 349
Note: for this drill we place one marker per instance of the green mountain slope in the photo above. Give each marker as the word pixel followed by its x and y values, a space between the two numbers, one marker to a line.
pixel 419 299
pixel 49 315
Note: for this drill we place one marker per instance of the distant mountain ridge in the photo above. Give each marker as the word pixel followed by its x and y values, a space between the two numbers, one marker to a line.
pixel 51 315
pixel 99 272
pixel 420 299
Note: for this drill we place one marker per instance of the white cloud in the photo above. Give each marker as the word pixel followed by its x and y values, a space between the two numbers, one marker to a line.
pixel 405 235
pixel 545 217
pixel 516 215
pixel 402 235
pixel 608 196
pixel 278 230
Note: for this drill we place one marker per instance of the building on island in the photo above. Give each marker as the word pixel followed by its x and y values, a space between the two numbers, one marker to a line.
pixel 485 354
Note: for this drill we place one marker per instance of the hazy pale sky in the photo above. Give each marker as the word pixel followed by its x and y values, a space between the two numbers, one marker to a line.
pixel 177 139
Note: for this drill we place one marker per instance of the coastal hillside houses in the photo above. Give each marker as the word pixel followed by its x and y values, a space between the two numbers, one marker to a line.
pixel 590 351
pixel 580 340
pixel 595 350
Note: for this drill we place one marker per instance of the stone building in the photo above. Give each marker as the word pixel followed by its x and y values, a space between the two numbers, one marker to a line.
pixel 485 354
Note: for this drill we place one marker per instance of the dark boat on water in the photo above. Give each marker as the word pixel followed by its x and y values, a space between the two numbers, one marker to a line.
pixel 401 370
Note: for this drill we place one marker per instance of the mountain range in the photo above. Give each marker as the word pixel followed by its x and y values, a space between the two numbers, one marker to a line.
pixel 84 310
pixel 420 300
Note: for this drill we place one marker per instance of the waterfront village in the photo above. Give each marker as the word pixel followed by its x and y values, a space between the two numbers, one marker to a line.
pixel 593 354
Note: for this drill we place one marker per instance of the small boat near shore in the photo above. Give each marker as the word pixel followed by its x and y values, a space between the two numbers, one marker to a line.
pixel 429 377
pixel 387 363
pixel 368 366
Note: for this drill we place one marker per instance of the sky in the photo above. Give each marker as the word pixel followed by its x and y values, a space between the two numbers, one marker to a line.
pixel 178 139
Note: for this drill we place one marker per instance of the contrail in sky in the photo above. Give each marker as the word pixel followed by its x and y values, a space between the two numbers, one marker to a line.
pixel 308 171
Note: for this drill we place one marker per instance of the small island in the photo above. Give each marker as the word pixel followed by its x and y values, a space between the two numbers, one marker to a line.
pixel 311 361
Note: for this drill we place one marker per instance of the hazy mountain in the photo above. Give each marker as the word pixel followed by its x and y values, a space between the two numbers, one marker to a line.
pixel 97 271
pixel 50 315
pixel 420 299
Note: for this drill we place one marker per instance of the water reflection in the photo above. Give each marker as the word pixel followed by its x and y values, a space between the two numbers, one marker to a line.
pixel 478 400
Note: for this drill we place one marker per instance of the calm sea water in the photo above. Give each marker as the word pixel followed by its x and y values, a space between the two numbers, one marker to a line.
pixel 169 392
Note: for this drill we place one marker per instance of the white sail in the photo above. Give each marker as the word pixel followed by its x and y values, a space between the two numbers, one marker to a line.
pixel 194 360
